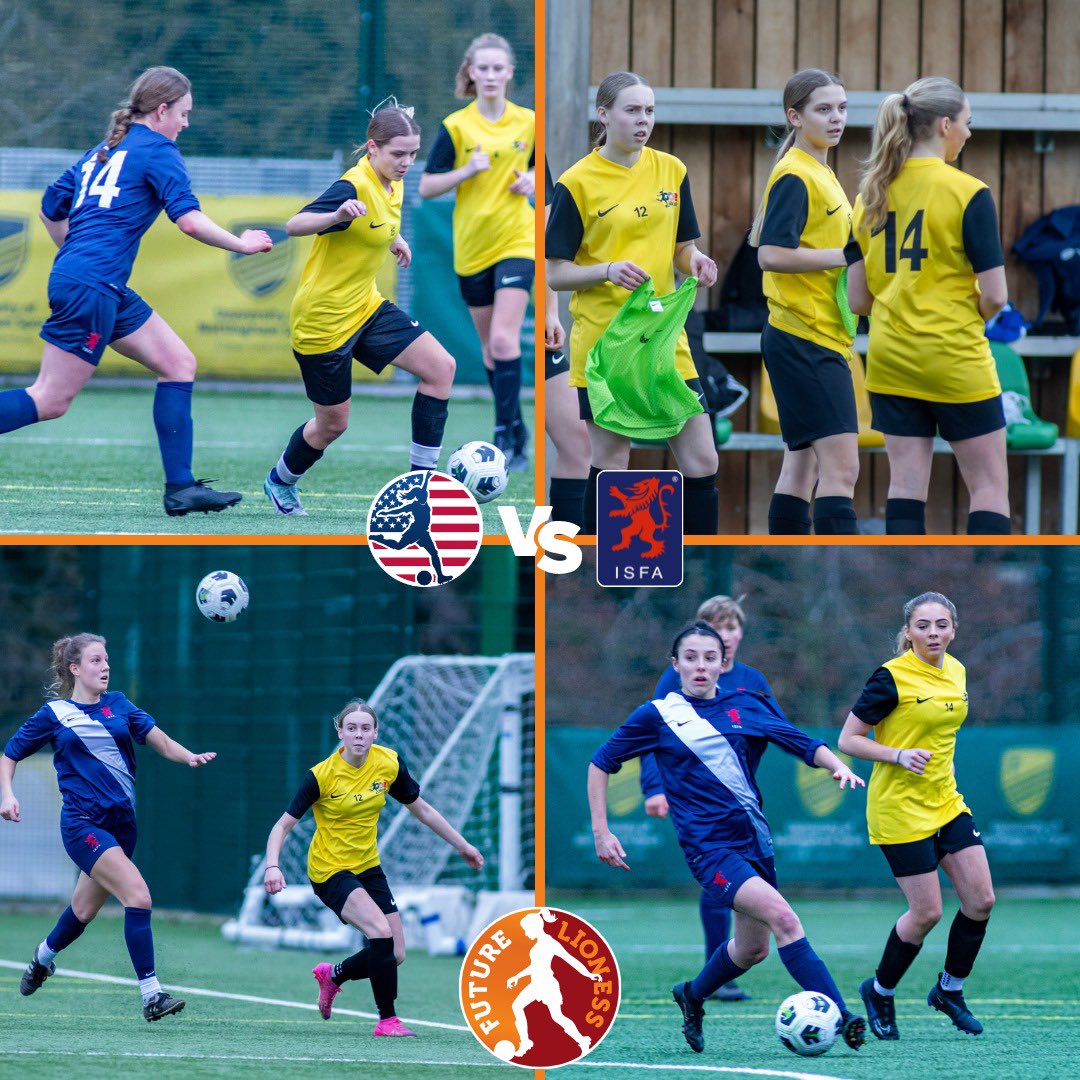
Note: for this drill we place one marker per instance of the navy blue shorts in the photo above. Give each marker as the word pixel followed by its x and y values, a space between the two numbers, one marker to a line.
pixel 896 415
pixel 86 842
pixel 815 397
pixel 478 290
pixel 85 320
pixel 923 856
pixel 337 888
pixel 378 343
pixel 731 871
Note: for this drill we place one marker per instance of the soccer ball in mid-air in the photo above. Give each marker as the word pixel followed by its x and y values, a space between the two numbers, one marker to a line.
pixel 807 1023
pixel 221 596
pixel 481 467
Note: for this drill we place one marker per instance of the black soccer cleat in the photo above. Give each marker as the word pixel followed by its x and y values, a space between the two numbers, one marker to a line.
pixel 693 1015
pixel 34 975
pixel 162 1004
pixel 731 991
pixel 199 498
pixel 953 1005
pixel 880 1011
pixel 852 1030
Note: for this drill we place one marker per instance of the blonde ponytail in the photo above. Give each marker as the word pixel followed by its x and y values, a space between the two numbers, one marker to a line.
pixel 155 86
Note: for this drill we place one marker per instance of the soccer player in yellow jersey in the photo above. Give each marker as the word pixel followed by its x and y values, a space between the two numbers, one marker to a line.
pixel 338 314
pixel 914 705
pixel 925 262
pixel 346 793
pixel 619 216
pixel 800 231
pixel 486 151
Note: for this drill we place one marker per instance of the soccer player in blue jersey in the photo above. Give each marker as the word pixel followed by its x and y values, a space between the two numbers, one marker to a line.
pixel 92 732
pixel 96 213
pixel 708 744
pixel 726 616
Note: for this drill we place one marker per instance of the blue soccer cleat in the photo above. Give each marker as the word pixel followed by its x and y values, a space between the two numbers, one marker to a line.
pixel 284 498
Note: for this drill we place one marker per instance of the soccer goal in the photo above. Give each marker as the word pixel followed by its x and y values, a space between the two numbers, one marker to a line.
pixel 464 726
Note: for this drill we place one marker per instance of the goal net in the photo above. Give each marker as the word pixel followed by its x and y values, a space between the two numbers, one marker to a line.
pixel 464 726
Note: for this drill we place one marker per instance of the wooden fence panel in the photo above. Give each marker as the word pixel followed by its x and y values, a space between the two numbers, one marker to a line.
pixel 898 44
pixel 609 39
pixel 816 34
pixel 982 28
pixel 1062 47
pixel 941 39
pixel 734 43
pixel 693 34
pixel 1024 57
pixel 775 43
pixel 857 59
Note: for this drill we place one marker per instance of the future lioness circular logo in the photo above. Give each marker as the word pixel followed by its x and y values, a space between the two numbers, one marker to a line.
pixel 539 987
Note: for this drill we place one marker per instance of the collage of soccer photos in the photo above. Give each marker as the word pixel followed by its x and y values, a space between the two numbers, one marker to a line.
pixel 540 535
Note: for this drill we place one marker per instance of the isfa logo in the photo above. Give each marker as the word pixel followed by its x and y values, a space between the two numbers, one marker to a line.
pixel 639 528
pixel 14 247
pixel 424 528
pixel 266 274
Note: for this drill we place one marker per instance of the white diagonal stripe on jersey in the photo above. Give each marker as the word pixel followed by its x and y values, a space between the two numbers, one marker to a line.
pixel 97 738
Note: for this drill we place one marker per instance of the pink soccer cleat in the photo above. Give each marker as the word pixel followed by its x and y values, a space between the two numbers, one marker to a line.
pixel 393 1026
pixel 328 989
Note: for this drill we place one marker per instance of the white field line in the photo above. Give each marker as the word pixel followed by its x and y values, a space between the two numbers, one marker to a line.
pixel 255 1058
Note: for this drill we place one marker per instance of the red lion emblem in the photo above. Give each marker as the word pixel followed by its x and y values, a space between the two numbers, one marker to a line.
pixel 637 506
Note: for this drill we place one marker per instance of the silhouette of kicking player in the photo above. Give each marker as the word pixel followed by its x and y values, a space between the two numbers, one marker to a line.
pixel 418 531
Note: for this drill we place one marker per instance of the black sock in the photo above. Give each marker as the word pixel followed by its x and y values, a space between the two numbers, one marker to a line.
pixel 428 423
pixel 506 386
pixel 567 497
pixel 352 967
pixel 834 515
pixel 590 502
pixel 383 974
pixel 965 939
pixel 701 506
pixel 905 517
pixel 987 523
pixel 895 960
pixel 299 455
pixel 789 516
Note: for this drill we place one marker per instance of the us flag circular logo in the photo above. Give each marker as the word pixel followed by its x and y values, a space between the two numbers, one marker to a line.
pixel 539 988
pixel 424 528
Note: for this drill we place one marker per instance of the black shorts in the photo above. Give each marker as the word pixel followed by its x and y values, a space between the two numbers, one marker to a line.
pixel 815 397
pixel 478 290
pixel 337 888
pixel 379 342
pixel 918 419
pixel 585 409
pixel 923 856
pixel 556 362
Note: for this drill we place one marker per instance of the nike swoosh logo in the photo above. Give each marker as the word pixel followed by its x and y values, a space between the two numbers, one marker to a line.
pixel 974 833
pixel 341 796
pixel 372 225
pixel 604 213
pixel 557 358
pixel 920 700
pixel 643 339
pixel 829 213
pixel 507 280
pixel 414 322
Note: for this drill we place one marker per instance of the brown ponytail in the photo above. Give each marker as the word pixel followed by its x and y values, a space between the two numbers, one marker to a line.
pixel 606 93
pixel 464 87
pixel 913 605
pixel 796 96
pixel 155 86
pixel 65 652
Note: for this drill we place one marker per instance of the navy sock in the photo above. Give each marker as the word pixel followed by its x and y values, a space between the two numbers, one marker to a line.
pixel 428 423
pixel 987 523
pixel 352 967
pixel 701 506
pixel 506 386
pixel 68 927
pixel 834 515
pixel 17 410
pixel 809 971
pixel 715 921
pixel 567 497
pixel 172 420
pixel 789 516
pixel 296 458
pixel 905 517
pixel 382 970
pixel 140 941
pixel 898 956
pixel 590 501
pixel 965 940
pixel 718 969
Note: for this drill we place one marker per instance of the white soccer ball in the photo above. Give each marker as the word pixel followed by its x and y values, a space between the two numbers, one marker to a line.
pixel 481 467
pixel 221 596
pixel 807 1023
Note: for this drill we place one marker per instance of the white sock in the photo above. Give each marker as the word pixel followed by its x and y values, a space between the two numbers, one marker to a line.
pixel 149 988
pixel 45 955
pixel 282 471
pixel 950 983
pixel 879 989
pixel 423 457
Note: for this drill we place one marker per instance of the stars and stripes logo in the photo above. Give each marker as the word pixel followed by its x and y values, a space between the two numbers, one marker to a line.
pixel 424 528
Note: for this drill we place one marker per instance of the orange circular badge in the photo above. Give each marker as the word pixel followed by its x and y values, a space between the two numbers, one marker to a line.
pixel 539 987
